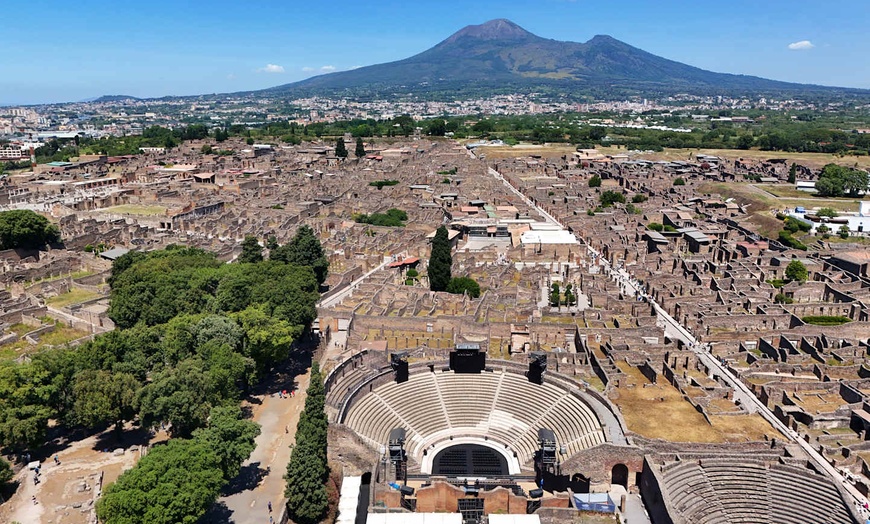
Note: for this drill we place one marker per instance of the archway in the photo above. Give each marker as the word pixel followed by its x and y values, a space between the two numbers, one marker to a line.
pixel 619 475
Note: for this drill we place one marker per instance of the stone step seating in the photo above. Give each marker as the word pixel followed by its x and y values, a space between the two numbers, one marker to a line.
pixel 800 495
pixel 745 491
pixel 741 488
pixel 688 487
pixel 505 407
pixel 349 379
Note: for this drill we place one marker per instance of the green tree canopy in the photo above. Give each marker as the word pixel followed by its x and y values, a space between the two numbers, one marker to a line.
pixel 796 271
pixel 460 285
pixel 440 261
pixel 340 148
pixel 174 483
pixel 230 437
pixel 22 228
pixel 837 181
pixel 608 198
pixel 103 397
pixel 595 181
pixel 6 473
pixel 360 150
pixel 307 470
pixel 304 249
pixel 252 252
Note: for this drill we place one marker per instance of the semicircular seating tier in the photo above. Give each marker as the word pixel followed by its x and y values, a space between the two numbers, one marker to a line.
pixel 734 489
pixel 501 406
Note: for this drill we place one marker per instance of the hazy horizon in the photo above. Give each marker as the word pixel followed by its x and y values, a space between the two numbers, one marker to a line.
pixel 71 53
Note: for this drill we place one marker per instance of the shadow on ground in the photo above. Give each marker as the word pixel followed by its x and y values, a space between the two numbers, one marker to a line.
pixel 219 513
pixel 248 478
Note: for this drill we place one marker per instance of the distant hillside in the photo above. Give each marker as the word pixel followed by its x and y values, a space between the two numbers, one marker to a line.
pixel 113 98
pixel 500 56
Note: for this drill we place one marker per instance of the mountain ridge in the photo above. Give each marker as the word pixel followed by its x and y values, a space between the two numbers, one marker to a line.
pixel 499 54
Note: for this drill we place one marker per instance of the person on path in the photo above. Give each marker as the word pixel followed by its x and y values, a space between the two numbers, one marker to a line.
pixel 270 506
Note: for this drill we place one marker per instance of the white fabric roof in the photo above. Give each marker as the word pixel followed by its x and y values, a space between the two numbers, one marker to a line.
pixel 347 503
pixel 415 518
pixel 514 519
pixel 548 237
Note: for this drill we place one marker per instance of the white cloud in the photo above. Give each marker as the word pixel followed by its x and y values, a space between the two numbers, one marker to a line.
pixel 803 45
pixel 307 69
pixel 327 69
pixel 231 76
pixel 271 68
pixel 355 67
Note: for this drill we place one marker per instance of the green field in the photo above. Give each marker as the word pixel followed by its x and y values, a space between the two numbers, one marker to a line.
pixel 74 296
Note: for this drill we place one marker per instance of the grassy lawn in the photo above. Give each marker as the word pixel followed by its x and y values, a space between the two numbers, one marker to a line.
pixel 61 335
pixel 792 197
pixel 136 209
pixel 74 296
pixel 73 275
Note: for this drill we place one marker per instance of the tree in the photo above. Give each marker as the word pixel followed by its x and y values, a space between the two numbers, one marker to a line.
pixel 252 252
pixel 460 285
pixel 843 232
pixel 595 181
pixel 836 181
pixel 745 141
pixel 230 438
pixel 267 339
pixel 570 299
pixel 796 271
pixel 555 299
pixel 304 249
pixel 182 396
pixel 6 473
pixel 608 198
pixel 174 483
pixel 22 228
pixel 655 226
pixel 249 141
pixel 824 231
pixel 827 212
pixel 440 261
pixel 307 470
pixel 792 174
pixel 679 181
pixel 437 127
pixel 206 149
pixel 340 148
pixel 360 150
pixel 272 242
pixel 103 397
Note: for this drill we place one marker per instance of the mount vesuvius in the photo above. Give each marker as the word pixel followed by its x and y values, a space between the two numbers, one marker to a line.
pixel 500 56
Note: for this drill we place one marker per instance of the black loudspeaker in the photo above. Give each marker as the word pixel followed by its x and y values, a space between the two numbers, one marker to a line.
pixel 536 493
pixel 399 363
pixel 537 367
pixel 406 491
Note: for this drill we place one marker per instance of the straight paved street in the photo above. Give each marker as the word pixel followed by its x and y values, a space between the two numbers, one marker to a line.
pixel 262 478
pixel 677 331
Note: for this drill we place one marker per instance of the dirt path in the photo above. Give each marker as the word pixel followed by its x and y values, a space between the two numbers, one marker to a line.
pixel 262 478
pixel 67 491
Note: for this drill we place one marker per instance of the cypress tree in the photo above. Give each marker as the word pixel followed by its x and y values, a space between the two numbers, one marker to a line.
pixel 360 148
pixel 308 469
pixel 340 148
pixel 440 261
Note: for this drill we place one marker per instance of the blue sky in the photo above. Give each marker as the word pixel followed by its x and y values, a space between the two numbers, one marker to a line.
pixel 67 51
